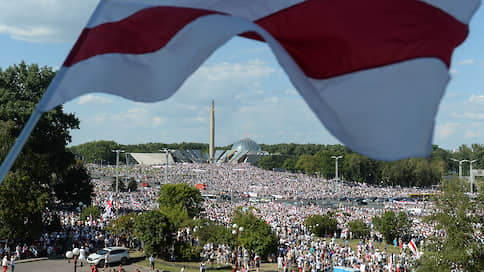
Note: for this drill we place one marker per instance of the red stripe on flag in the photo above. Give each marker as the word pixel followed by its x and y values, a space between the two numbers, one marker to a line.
pixel 145 31
pixel 325 37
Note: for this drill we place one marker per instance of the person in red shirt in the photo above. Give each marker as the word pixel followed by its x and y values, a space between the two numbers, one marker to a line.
pixel 94 268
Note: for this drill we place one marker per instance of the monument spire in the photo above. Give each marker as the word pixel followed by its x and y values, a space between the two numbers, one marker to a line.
pixel 212 134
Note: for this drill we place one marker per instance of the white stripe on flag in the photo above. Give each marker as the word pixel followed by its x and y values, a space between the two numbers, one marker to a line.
pixel 248 9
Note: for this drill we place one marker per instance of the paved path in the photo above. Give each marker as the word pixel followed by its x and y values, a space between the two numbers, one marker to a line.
pixel 62 266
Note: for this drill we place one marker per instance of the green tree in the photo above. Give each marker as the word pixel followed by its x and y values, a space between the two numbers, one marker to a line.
pixel 458 216
pixel 289 164
pixel 210 232
pixel 393 226
pixel 97 151
pixel 121 185
pixel 124 224
pixel 178 215
pixel 22 203
pixel 155 231
pixel 359 228
pixel 44 163
pixel 257 234
pixel 73 185
pixel 322 225
pixel 132 185
pixel 175 195
pixel 309 164
pixel 91 210
pixel 387 225
pixel 267 163
pixel 326 163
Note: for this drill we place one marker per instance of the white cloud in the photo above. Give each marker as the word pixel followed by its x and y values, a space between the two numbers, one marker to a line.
pixel 135 118
pixel 476 116
pixel 477 99
pixel 447 129
pixel 157 121
pixel 473 116
pixel 236 71
pixel 291 92
pixel 470 134
pixel 44 20
pixel 467 62
pixel 94 99
pixel 227 82
pixel 454 72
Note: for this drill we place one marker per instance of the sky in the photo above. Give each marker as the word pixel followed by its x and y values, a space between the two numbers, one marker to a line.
pixel 253 96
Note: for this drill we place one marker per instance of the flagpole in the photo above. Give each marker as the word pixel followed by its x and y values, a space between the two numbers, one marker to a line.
pixel 19 143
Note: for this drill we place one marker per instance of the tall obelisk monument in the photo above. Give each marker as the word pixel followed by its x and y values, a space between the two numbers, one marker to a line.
pixel 211 147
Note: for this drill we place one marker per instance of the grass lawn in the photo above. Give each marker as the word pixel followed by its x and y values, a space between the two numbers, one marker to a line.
pixel 380 246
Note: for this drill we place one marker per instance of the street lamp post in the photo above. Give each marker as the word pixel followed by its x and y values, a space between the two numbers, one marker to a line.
pixel 166 169
pixel 127 168
pixel 471 177
pixel 460 166
pixel 117 166
pixel 336 165
pixel 236 233
pixel 75 252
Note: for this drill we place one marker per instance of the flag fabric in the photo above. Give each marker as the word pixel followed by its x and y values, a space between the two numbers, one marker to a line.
pixel 135 203
pixel 372 71
pixel 413 247
pixel 108 208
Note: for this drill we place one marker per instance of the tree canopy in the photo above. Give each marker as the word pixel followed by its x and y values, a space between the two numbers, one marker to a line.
pixel 155 230
pixel 257 235
pixel 459 218
pixel 322 225
pixel 393 226
pixel 45 173
pixel 181 195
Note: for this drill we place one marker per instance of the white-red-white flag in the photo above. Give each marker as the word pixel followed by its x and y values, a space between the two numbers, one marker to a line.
pixel 372 71
pixel 413 247
pixel 108 208
pixel 134 202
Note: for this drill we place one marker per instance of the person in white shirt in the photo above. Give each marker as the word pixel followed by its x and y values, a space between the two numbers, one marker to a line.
pixel 82 256
pixel 280 259
pixel 5 263
pixel 12 263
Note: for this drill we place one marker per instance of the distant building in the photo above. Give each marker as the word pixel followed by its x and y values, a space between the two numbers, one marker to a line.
pixel 245 150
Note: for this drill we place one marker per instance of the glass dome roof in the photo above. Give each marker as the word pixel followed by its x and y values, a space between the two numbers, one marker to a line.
pixel 246 145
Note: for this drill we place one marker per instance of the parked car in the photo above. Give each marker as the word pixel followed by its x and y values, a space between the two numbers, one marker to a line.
pixel 116 254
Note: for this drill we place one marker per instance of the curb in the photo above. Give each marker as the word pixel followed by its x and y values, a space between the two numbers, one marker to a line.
pixel 31 260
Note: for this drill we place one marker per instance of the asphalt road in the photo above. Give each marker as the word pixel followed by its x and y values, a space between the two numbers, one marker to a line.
pixel 64 266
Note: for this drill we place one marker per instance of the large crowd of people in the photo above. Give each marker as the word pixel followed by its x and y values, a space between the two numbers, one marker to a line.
pixel 239 179
pixel 283 200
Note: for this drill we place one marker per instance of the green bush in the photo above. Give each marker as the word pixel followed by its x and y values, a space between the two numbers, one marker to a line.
pixel 322 225
pixel 359 229
pixel 186 252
